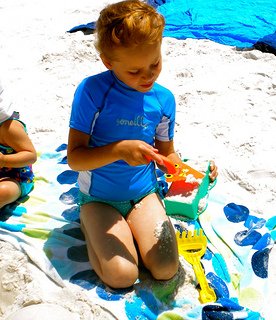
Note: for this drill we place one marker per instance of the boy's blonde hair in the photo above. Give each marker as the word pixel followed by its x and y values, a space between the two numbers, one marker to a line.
pixel 127 24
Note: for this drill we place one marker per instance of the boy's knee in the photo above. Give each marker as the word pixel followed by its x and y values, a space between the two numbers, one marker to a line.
pixel 165 271
pixel 122 276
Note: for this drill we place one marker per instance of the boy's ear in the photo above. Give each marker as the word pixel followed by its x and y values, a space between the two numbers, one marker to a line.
pixel 106 61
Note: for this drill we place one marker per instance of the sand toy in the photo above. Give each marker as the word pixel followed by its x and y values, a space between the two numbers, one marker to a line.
pixel 187 186
pixel 170 166
pixel 192 248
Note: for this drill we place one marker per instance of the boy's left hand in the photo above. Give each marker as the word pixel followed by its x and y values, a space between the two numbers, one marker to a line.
pixel 214 171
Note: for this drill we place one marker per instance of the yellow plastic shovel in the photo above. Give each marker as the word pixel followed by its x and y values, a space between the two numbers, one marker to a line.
pixel 192 248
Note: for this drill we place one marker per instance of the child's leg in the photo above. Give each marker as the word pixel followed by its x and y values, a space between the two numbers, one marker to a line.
pixel 9 191
pixel 110 245
pixel 155 237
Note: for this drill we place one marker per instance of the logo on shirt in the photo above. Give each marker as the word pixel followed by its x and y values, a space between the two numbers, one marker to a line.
pixel 137 122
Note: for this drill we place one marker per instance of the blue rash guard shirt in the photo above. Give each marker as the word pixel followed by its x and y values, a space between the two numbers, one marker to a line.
pixel 108 110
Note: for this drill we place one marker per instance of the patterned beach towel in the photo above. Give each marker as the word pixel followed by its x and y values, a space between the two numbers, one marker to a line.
pixel 45 225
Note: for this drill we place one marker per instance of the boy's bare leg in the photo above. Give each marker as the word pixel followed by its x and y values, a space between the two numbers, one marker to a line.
pixel 110 245
pixel 155 237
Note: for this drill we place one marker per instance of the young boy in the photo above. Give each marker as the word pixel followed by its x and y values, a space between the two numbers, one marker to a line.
pixel 120 118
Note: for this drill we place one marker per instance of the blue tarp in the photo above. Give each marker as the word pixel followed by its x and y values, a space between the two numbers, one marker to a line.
pixel 239 23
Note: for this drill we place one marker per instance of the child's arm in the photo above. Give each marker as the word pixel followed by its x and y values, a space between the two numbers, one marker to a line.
pixel 82 157
pixel 14 136
pixel 166 148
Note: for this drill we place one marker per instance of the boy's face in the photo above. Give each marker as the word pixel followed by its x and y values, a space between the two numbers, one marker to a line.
pixel 138 67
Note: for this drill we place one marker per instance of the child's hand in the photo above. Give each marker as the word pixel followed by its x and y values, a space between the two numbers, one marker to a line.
pixel 137 152
pixel 214 171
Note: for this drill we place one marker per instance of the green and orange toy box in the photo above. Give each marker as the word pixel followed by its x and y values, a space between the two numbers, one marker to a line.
pixel 187 189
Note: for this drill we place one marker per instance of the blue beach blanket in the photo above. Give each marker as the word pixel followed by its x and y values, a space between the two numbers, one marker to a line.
pixel 243 24
pixel 45 225
pixel 235 23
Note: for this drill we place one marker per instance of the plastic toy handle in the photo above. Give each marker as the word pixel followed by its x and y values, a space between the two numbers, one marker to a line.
pixel 195 173
pixel 206 294
pixel 167 163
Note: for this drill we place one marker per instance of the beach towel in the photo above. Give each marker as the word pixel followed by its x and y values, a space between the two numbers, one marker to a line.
pixel 243 24
pixel 45 225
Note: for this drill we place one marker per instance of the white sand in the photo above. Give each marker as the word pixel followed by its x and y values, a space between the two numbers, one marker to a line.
pixel 226 110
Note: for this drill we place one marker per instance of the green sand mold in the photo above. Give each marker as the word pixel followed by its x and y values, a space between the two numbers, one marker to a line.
pixel 184 210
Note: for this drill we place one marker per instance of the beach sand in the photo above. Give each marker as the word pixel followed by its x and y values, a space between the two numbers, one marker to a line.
pixel 225 111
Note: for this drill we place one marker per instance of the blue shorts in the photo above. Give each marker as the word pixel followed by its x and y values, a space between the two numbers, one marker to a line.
pixel 123 207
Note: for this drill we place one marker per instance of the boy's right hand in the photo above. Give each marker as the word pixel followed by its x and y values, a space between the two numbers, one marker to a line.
pixel 137 152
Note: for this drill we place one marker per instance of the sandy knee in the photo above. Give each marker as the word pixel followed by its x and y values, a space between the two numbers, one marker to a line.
pixel 165 271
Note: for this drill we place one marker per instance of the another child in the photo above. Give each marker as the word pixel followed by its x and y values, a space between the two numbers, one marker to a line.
pixel 17 154
pixel 119 118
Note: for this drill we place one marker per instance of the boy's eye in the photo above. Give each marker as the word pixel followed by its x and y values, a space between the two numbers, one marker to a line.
pixel 156 64
pixel 133 71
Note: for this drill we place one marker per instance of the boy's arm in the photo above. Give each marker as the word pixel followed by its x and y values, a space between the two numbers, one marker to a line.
pixel 166 148
pixel 82 157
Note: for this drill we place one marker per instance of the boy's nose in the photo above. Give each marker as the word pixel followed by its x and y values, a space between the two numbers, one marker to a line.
pixel 149 74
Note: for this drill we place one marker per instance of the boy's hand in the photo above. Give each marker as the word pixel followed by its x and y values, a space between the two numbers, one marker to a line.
pixel 137 152
pixel 213 171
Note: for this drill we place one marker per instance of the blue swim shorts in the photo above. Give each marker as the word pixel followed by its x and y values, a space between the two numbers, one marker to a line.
pixel 123 207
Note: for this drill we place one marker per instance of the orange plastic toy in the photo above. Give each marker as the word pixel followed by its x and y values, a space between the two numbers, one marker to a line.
pixel 182 170
pixel 179 185
pixel 187 187
pixel 170 166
